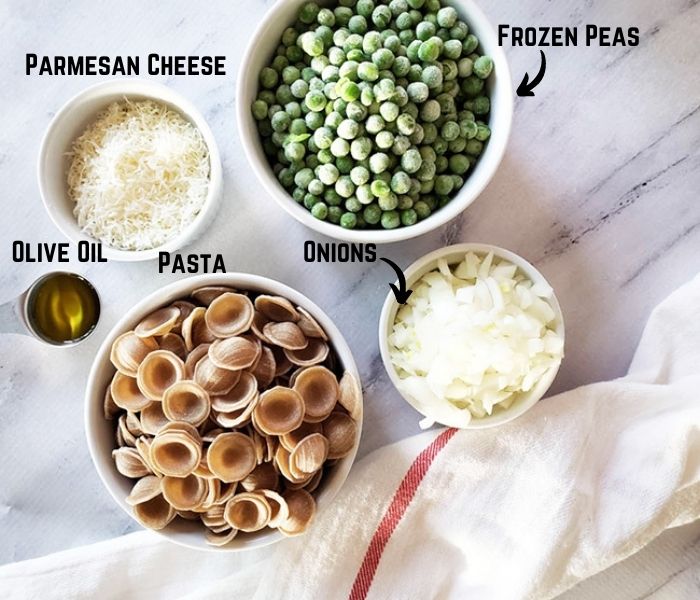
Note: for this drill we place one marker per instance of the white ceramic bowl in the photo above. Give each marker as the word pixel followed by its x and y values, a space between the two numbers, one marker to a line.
pixel 100 432
pixel 454 254
pixel 261 48
pixel 72 120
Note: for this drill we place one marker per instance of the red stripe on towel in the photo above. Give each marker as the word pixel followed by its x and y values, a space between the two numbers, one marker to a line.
pixel 394 513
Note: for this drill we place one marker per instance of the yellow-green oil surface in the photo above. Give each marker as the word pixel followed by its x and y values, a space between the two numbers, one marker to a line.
pixel 63 308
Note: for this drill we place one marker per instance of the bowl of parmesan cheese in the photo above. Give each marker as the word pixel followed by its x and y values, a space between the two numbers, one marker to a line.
pixel 133 165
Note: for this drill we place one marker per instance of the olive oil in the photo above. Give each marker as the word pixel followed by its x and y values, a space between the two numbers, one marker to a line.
pixel 63 308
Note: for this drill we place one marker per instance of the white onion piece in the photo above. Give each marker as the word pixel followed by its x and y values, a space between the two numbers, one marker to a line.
pixel 472 337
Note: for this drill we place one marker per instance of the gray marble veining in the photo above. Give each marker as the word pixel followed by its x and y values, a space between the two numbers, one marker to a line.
pixel 598 188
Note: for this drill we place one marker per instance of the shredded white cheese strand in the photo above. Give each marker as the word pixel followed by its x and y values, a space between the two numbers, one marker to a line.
pixel 139 175
pixel 472 337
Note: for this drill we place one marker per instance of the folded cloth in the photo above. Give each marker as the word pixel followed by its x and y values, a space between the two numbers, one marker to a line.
pixel 526 510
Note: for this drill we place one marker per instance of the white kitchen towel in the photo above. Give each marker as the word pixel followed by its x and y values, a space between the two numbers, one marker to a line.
pixel 580 482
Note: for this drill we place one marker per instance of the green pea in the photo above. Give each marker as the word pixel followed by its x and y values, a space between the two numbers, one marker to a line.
pixel 315 101
pixel 385 89
pixel 313 120
pixel 483 66
pixel 299 88
pixel 405 202
pixel 294 151
pixel 320 211
pixel 353 205
pixel 389 111
pixel 390 219
pixel 372 214
pixel 383 58
pixel 361 148
pixel 268 77
pixel 308 12
pixel 298 194
pixel 332 197
pixel 450 130
pixel 482 105
pixel 416 4
pixel 340 147
pixel 374 124
pixel 364 192
pixel 348 129
pixel 432 76
pixel 430 111
pixel 259 110
pixel 343 14
pixel 401 144
pixel 334 214
pixel 307 74
pixel 344 186
pixel 443 185
pixel 365 7
pixel 350 91
pixel 472 86
pixel 316 187
pixel 359 175
pixel 447 17
pixel 404 21
pixel 388 201
pixel 286 178
pixel 348 220
pixel 310 200
pixel 457 146
pixel 293 109
pixel 400 182
pixel 474 147
pixel 384 139
pixel 425 30
pixel 379 188
pixel 411 160
pixel 412 50
pixel 452 49
pixel 401 66
pixel 430 49
pixel 381 16
pixel 281 121
pixel 409 217
pixel 426 172
pixel 470 44
pixel 311 43
pixel 368 71
pixel 407 36
pixel 325 17
pixel 357 24
pixel 378 162
pixel 289 36
pixel 328 174
pixel 483 133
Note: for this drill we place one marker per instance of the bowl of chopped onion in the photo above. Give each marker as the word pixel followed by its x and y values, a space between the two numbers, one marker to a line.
pixel 479 340
pixel 133 165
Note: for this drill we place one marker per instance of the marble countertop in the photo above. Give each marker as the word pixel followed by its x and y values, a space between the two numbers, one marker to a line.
pixel 598 188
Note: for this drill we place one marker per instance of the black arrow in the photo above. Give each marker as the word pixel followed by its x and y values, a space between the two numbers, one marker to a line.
pixel 525 88
pixel 401 292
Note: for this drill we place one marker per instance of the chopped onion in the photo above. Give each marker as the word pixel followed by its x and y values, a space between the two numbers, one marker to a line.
pixel 472 338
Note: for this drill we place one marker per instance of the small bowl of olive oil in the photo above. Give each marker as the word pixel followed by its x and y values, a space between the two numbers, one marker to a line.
pixel 59 308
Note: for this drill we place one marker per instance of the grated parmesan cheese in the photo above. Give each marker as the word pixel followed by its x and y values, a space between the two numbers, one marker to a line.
pixel 139 175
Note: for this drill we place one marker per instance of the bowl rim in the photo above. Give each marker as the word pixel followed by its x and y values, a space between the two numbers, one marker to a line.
pixel 94 390
pixel 473 186
pixel 129 87
pixel 427 263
